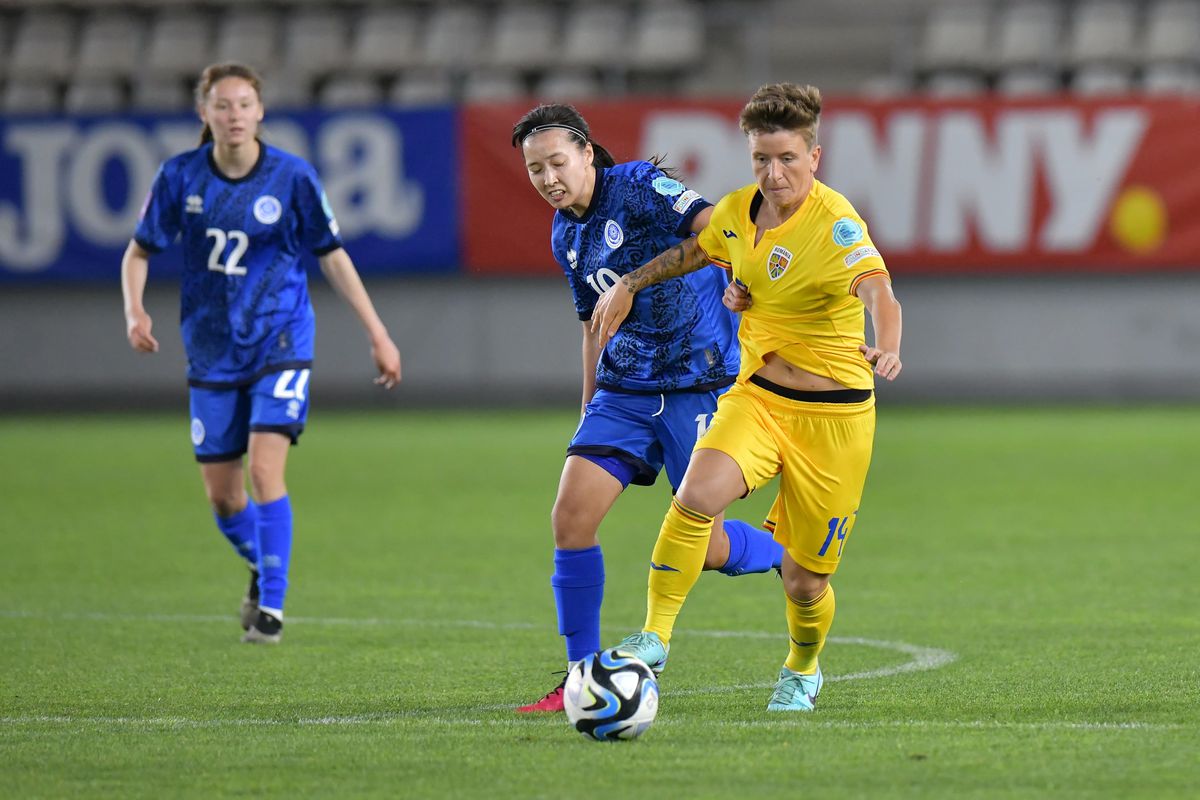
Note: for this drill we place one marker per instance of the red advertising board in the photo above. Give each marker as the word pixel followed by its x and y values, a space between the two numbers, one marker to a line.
pixel 947 187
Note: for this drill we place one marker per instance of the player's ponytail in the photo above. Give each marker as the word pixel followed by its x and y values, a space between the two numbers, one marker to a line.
pixel 784 107
pixel 566 118
pixel 214 74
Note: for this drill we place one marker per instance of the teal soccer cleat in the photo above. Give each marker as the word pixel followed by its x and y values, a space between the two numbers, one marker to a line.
pixel 796 692
pixel 648 647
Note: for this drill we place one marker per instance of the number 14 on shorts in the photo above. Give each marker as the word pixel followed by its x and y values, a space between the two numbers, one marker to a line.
pixel 839 528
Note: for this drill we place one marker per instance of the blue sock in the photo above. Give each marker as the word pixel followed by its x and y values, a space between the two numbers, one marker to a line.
pixel 578 591
pixel 242 531
pixel 751 549
pixel 275 549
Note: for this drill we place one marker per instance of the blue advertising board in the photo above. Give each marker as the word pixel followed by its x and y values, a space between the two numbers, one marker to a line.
pixel 71 187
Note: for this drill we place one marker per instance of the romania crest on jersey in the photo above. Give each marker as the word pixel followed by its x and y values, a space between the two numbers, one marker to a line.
pixel 778 261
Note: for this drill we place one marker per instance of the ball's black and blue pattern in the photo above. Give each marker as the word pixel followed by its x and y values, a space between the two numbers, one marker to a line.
pixel 611 695
pixel 678 335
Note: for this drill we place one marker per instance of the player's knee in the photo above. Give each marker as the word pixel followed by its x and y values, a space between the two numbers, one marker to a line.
pixel 226 500
pixel 803 585
pixel 572 527
pixel 267 483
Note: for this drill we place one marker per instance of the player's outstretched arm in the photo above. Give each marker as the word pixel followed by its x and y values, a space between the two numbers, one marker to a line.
pixel 876 294
pixel 340 272
pixel 135 265
pixel 613 306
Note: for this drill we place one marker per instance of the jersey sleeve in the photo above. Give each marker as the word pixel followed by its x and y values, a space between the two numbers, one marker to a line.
pixel 159 222
pixel 858 258
pixel 669 205
pixel 319 232
pixel 711 240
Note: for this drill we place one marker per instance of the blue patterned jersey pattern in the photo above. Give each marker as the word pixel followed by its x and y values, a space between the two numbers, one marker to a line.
pixel 245 310
pixel 678 336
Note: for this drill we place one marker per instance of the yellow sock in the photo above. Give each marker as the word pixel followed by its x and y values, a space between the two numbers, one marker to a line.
pixel 676 564
pixel 808 625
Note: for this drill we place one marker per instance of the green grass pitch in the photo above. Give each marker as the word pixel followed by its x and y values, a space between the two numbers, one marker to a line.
pixel 1018 616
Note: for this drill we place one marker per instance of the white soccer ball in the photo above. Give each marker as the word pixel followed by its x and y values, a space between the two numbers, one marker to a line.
pixel 611 695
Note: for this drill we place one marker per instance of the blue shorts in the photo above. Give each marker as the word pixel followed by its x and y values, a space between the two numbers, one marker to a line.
pixel 222 419
pixel 644 432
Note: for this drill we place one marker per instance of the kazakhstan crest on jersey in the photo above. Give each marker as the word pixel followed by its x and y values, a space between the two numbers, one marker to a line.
pixel 777 262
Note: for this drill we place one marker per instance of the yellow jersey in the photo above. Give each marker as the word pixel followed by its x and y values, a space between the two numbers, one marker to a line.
pixel 803 277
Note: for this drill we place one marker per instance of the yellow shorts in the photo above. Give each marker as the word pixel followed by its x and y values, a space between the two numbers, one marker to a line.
pixel 822 450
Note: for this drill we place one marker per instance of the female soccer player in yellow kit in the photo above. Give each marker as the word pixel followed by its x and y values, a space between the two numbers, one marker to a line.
pixel 803 405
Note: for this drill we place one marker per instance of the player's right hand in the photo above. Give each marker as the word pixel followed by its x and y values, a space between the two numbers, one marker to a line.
pixel 737 297
pixel 137 330
pixel 611 310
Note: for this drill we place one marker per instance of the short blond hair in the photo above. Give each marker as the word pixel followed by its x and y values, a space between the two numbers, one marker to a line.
pixel 784 107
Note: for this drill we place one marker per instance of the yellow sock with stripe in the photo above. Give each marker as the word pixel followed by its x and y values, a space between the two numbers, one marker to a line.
pixel 808 626
pixel 676 564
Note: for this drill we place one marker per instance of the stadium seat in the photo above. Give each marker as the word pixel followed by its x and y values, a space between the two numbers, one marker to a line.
pixel 455 36
pixel 1171 78
pixel 524 36
pixel 885 86
pixel 594 35
pixel 88 95
pixel 385 39
pixel 286 90
pixel 1102 79
pixel 1028 36
pixel 1103 32
pixel 956 39
pixel 42 47
pixel 420 88
pixel 666 35
pixel 1172 32
pixel 314 41
pixel 1028 82
pixel 29 96
pixel 492 85
pixel 110 45
pixel 152 93
pixel 568 86
pixel 956 83
pixel 350 91
pixel 248 36
pixel 179 44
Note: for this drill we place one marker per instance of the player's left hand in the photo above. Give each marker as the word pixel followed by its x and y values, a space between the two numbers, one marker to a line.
pixel 736 297
pixel 387 360
pixel 611 310
pixel 887 365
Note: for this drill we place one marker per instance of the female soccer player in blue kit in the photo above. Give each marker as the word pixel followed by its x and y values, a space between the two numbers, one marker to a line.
pixel 245 212
pixel 653 389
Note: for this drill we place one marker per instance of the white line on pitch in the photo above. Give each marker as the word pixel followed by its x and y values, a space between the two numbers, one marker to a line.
pixel 421 718
pixel 921 658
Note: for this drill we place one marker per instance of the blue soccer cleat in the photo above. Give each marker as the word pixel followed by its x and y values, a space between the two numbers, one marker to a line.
pixel 796 692
pixel 647 647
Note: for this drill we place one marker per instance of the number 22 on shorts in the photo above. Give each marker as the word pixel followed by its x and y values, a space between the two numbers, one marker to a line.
pixel 839 528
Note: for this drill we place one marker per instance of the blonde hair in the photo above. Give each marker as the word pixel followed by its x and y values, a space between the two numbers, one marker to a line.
pixel 214 74
pixel 784 107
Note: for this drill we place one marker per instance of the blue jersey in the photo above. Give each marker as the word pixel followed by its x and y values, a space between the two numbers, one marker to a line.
pixel 245 310
pixel 678 336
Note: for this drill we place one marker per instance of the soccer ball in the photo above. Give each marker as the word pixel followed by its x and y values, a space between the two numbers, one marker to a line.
pixel 611 695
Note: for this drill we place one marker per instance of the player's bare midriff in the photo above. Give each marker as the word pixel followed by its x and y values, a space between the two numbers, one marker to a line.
pixel 778 370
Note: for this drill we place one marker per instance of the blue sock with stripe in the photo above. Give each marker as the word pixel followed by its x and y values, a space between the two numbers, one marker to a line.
pixel 578 583
pixel 242 531
pixel 751 549
pixel 275 550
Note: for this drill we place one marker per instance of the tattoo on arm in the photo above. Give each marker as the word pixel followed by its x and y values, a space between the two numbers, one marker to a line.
pixel 681 259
